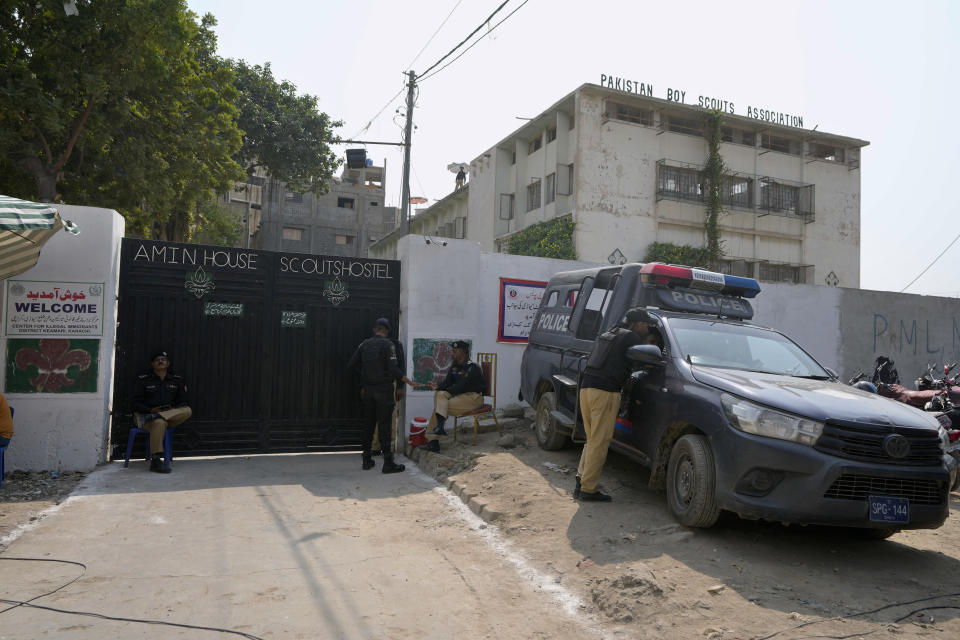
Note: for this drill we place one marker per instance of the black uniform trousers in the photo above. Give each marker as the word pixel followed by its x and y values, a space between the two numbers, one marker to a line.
pixel 378 401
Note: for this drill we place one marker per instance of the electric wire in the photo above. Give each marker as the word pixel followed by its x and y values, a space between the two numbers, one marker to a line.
pixel 29 603
pixel 434 34
pixel 377 115
pixel 952 242
pixel 472 33
pixel 491 30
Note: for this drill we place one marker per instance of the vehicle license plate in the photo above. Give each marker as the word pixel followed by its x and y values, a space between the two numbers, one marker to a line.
pixel 886 509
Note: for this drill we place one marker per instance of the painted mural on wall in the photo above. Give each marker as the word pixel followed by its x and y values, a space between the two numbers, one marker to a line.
pixel 35 308
pixel 432 358
pixel 52 365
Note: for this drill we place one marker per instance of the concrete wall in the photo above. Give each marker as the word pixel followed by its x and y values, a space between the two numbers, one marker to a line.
pixel 453 292
pixel 70 431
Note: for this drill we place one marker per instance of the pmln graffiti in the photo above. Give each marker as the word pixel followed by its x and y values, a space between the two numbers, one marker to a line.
pixel 915 336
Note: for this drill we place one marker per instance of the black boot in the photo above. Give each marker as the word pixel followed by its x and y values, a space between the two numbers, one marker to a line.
pixel 432 446
pixel 368 462
pixel 576 490
pixel 158 465
pixel 439 431
pixel 389 466
pixel 596 496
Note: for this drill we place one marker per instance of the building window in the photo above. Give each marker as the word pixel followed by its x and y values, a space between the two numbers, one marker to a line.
pixel 564 179
pixel 736 267
pixel 787 199
pixel 294 197
pixel 533 195
pixel 679 183
pixel 345 203
pixel 513 158
pixel 783 273
pixel 292 233
pixel 460 228
pixel 256 181
pixel 677 124
pixel 825 152
pixel 374 204
pixel 551 188
pixel 534 144
pixel 551 134
pixel 737 192
pixel 573 121
pixel 345 240
pixel 626 113
pixel 780 143
pixel 738 136
pixel 506 206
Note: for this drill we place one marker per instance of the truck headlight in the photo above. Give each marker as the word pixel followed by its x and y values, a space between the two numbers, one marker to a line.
pixel 761 421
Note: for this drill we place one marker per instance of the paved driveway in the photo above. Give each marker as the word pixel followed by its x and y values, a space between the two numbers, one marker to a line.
pixel 282 546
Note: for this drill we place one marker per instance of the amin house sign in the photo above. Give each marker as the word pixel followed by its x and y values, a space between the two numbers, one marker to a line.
pixel 54 308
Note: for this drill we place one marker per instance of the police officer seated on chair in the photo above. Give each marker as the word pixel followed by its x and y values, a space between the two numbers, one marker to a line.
pixel 460 392
pixel 160 403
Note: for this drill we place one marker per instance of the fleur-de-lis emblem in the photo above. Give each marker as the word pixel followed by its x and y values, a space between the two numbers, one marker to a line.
pixel 336 292
pixel 200 283
pixel 52 361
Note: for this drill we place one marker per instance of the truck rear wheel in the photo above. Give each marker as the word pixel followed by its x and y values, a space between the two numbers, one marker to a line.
pixel 692 482
pixel 548 436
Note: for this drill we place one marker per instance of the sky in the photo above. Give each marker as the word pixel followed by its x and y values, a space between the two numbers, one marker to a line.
pixel 879 71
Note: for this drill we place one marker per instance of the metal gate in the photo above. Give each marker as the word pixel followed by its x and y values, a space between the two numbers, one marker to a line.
pixel 262 339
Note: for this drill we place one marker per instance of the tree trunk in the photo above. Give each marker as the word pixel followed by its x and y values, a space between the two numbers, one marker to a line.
pixel 44 177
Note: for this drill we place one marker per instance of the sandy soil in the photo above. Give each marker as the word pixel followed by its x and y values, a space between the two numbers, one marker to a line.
pixel 646 576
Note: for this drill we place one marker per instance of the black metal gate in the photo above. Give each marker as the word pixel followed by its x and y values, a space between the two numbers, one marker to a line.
pixel 262 339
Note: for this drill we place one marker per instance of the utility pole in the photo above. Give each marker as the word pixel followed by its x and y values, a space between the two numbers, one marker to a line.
pixel 405 193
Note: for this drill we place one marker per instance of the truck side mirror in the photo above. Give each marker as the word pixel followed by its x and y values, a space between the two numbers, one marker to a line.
pixel 833 374
pixel 645 354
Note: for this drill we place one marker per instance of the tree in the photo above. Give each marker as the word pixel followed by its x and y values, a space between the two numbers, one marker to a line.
pixel 284 132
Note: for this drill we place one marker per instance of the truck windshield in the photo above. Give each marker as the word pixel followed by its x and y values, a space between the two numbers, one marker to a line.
pixel 717 344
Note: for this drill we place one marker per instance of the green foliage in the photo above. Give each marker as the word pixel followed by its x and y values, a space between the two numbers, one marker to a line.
pixel 550 239
pixel 670 253
pixel 283 132
pixel 216 223
pixel 713 185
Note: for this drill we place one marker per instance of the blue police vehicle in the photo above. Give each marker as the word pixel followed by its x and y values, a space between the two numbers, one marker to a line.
pixel 733 416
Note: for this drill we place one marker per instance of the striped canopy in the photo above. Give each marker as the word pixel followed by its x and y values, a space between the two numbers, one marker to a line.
pixel 24 228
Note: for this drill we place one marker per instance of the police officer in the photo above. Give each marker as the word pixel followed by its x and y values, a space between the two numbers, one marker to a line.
pixel 606 372
pixel 376 360
pixel 160 403
pixel 460 392
pixel 402 364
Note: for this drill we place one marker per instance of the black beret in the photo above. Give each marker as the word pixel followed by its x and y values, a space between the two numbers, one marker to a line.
pixel 637 315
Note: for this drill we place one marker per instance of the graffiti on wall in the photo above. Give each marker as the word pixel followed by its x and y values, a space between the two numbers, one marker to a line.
pixel 915 336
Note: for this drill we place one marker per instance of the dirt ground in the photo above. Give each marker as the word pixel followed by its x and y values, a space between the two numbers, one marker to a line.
pixel 26 494
pixel 647 576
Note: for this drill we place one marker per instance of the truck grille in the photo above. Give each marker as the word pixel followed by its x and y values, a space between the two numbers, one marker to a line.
pixel 857 487
pixel 861 441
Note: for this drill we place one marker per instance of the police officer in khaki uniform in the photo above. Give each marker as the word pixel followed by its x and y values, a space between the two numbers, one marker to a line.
pixel 606 372
pixel 160 403
pixel 376 361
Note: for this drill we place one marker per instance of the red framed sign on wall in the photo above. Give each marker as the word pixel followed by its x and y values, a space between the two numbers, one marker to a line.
pixel 519 301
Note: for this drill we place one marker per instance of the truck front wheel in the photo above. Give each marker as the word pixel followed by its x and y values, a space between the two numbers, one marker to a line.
pixel 692 482
pixel 548 436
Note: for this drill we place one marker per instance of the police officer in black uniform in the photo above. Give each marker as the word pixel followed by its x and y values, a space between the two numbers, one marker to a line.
pixel 376 360
pixel 159 403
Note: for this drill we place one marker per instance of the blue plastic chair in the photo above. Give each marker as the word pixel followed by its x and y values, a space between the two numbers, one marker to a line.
pixel 3 450
pixel 167 444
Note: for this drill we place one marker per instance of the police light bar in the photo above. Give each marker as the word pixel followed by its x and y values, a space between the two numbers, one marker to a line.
pixel 668 274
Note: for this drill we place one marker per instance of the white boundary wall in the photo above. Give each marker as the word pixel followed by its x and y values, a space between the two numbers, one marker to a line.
pixel 71 431
pixel 452 292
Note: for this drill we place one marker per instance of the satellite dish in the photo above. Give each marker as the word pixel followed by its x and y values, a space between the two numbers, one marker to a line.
pixel 418 200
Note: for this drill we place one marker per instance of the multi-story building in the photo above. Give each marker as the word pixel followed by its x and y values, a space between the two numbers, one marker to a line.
pixel 628 169
pixel 342 222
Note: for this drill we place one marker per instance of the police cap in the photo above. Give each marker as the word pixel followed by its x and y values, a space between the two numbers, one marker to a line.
pixel 461 344
pixel 159 354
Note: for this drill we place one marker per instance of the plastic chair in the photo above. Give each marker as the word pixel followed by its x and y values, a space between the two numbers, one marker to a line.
pixel 167 444
pixel 488 363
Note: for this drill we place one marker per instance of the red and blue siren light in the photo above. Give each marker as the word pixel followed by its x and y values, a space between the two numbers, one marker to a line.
pixel 659 273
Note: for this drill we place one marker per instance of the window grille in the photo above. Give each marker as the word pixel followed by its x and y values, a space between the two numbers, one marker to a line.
pixel 691 126
pixel 294 197
pixel 737 192
pixel 786 199
pixel 534 144
pixel 627 113
pixel 533 195
pixel 679 183
pixel 551 134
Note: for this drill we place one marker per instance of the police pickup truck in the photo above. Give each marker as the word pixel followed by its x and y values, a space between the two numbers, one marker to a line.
pixel 731 415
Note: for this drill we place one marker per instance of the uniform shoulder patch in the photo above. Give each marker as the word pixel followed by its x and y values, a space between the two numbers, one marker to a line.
pixel 143 376
pixel 175 375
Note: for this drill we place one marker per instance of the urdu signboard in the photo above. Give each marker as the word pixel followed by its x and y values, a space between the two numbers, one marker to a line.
pixel 35 308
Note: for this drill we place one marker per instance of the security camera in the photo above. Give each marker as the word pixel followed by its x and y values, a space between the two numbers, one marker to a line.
pixel 443 243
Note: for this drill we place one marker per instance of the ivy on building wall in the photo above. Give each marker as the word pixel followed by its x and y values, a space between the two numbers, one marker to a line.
pixel 713 186
pixel 678 254
pixel 550 239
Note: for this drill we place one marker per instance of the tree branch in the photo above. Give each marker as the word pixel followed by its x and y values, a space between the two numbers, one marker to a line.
pixel 83 119
pixel 43 140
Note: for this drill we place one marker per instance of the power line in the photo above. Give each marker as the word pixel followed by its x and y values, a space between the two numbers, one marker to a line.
pixel 472 33
pixel 435 33
pixel 952 242
pixel 421 79
pixel 370 122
